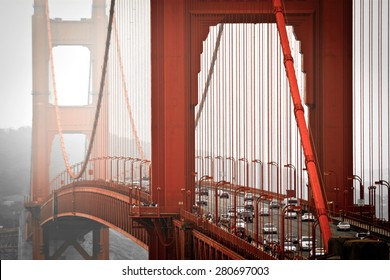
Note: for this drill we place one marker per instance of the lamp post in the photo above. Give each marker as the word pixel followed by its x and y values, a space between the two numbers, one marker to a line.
pixel 212 165
pixel 235 202
pixel 223 167
pixel 132 169
pixel 220 183
pixel 234 170
pixel 386 183
pixel 313 239
pixel 201 170
pixel 261 173
pixel 258 200
pixel 371 197
pixel 287 207
pixel 125 169
pixel 289 165
pixel 203 178
pixel 140 172
pixel 361 190
pixel 247 171
pixel 277 176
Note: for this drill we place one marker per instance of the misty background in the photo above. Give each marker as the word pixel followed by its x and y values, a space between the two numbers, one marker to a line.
pixel 16 106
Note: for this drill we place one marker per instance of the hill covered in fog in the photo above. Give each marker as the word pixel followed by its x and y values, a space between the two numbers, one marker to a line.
pixel 15 159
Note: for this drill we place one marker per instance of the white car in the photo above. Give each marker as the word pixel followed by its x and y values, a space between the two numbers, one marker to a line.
pixel 306 243
pixel 271 239
pixel 343 226
pixel 240 224
pixel 308 217
pixel 269 228
pixel 290 215
pixel 274 204
pixel 289 247
pixel 318 252
pixel 362 235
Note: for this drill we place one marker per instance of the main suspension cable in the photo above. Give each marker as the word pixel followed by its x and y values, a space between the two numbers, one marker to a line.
pixel 100 96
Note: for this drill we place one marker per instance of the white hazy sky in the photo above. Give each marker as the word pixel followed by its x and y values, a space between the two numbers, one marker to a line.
pixel 15 63
pixel 15 57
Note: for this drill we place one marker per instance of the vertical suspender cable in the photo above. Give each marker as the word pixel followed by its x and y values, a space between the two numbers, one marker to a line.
pixel 125 94
pixel 371 82
pixel 380 104
pixel 362 39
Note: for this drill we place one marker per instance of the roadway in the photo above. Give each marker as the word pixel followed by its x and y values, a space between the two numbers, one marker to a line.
pixel 291 225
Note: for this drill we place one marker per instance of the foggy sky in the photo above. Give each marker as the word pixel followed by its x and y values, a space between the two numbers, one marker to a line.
pixel 15 63
pixel 16 57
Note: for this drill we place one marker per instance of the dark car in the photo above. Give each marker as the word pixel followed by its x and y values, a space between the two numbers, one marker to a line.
pixel 291 237
pixel 246 215
pixel 201 203
pixel 224 195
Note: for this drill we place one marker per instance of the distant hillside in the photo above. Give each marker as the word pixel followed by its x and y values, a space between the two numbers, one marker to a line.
pixel 15 158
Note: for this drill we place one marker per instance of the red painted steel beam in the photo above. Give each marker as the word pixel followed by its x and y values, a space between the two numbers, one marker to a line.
pixel 172 128
pixel 311 164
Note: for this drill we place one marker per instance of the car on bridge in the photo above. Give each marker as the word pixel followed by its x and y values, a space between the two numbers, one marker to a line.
pixel 202 191
pixel 224 195
pixel 249 207
pixel 232 212
pixel 291 237
pixel 293 201
pixel 362 235
pixel 306 217
pixel 289 247
pixel 271 239
pixel 290 214
pixel 274 204
pixel 318 252
pixel 269 228
pixel 343 226
pixel 201 203
pixel 306 243
pixel 246 215
pixel 224 221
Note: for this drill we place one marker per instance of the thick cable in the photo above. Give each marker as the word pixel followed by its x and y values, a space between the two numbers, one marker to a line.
pixel 301 123
pixel 98 106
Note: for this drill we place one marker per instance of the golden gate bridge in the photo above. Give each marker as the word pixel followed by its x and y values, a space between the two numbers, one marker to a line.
pixel 212 137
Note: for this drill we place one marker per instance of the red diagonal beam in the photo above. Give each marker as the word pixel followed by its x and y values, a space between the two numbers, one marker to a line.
pixel 301 123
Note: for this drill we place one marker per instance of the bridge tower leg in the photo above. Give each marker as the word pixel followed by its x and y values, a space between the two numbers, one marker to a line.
pixel 172 114
pixel 162 245
pixel 91 34
pixel 100 244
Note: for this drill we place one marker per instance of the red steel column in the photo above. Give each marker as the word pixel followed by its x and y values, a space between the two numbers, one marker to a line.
pixel 101 250
pixel 330 113
pixel 40 91
pixel 172 147
pixel 40 154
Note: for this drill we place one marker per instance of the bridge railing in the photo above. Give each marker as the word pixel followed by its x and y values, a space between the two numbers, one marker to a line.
pixel 113 170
